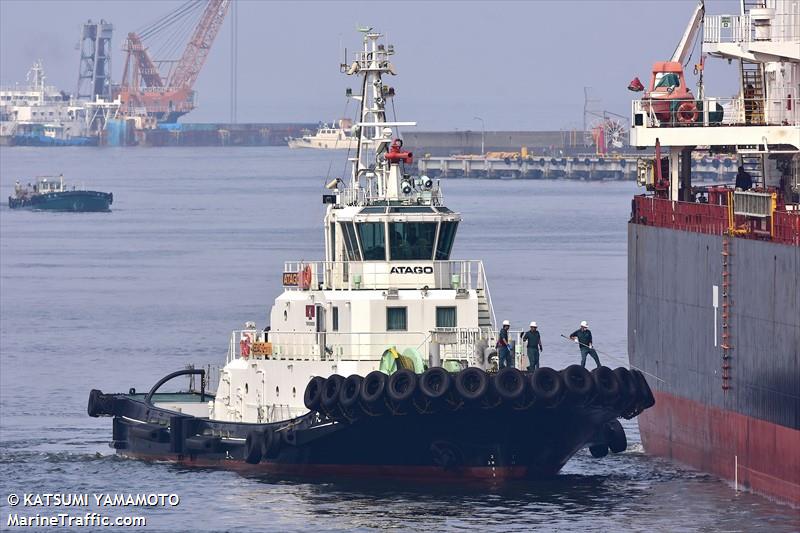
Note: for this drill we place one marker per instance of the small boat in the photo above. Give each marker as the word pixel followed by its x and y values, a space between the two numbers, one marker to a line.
pixel 380 359
pixel 328 137
pixel 49 193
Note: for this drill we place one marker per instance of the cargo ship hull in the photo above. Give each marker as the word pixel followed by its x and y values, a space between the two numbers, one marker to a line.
pixel 717 319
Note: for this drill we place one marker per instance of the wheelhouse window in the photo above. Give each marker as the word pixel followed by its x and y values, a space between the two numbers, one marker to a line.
pixel 445 317
pixel 447 233
pixel 396 319
pixel 350 242
pixel 373 242
pixel 412 241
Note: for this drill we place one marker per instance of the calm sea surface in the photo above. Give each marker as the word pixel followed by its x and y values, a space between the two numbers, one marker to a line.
pixel 195 247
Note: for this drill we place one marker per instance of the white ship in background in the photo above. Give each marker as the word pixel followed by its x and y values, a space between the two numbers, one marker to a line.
pixel 335 136
pixel 40 114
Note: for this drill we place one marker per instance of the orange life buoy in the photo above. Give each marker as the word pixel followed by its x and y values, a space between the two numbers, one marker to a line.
pixel 305 278
pixel 687 113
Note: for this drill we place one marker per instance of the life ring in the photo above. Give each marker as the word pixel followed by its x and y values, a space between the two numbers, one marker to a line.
pixel 687 112
pixel 305 278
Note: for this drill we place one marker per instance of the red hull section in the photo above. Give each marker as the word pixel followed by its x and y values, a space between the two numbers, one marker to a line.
pixel 765 457
pixel 410 473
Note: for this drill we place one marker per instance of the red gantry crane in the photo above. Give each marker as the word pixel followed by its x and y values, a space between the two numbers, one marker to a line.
pixel 163 88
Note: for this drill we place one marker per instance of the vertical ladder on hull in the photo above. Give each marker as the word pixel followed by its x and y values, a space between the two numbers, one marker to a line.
pixel 726 313
pixel 484 313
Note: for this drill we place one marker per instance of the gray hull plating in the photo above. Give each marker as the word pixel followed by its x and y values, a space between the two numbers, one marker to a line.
pixel 675 331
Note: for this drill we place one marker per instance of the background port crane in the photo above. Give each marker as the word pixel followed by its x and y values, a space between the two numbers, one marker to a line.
pixel 161 89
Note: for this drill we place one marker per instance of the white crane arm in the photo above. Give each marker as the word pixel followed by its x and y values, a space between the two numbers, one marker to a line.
pixel 684 47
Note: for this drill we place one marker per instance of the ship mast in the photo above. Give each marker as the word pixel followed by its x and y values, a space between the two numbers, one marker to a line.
pixel 375 172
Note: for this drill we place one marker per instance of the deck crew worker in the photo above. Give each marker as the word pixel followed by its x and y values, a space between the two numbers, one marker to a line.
pixel 583 336
pixel 744 180
pixel 504 355
pixel 534 340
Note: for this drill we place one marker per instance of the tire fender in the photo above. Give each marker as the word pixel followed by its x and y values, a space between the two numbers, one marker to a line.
pixel 254 447
pixel 472 384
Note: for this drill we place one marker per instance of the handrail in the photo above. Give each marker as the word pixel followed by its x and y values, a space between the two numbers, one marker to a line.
pixel 185 372
pixel 716 219
pixel 348 275
pixel 487 294
pixel 736 111
pixel 741 29
pixel 358 346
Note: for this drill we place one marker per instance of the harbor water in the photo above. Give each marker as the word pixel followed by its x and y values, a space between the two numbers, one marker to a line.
pixel 194 248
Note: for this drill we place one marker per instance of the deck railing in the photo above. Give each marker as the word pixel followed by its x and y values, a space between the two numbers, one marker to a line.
pixel 744 29
pixel 356 275
pixel 362 196
pixel 663 113
pixel 782 226
pixel 459 344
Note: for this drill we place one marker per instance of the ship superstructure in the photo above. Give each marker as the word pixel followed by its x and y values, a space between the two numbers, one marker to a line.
pixel 387 280
pixel 41 114
pixel 335 136
pixel 378 359
pixel 714 271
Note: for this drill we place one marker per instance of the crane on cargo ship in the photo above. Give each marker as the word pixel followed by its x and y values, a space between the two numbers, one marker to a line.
pixel 144 90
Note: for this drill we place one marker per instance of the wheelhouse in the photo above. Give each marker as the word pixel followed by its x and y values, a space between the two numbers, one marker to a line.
pixel 395 233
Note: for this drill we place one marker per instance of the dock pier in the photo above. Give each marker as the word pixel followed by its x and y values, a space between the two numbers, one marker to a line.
pixel 585 167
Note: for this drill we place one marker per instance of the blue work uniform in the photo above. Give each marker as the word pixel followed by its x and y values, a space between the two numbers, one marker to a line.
pixel 506 358
pixel 584 337
pixel 534 340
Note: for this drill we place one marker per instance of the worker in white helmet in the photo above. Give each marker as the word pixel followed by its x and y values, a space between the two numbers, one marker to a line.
pixel 534 340
pixel 583 336
pixel 506 358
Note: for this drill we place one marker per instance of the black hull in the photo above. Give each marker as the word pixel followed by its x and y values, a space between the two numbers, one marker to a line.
pixel 456 441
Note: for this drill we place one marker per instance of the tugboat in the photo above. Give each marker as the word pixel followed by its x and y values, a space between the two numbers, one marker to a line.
pixel 49 193
pixel 379 360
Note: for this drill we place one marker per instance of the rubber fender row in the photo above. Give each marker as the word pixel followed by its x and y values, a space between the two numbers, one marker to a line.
pixel 436 389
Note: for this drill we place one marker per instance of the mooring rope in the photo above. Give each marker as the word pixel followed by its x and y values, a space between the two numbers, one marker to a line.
pixel 605 354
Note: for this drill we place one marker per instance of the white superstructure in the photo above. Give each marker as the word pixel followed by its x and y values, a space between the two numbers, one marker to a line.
pixel 761 123
pixel 41 109
pixel 335 136
pixel 386 286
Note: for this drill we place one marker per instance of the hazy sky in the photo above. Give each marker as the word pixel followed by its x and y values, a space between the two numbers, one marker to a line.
pixel 518 65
